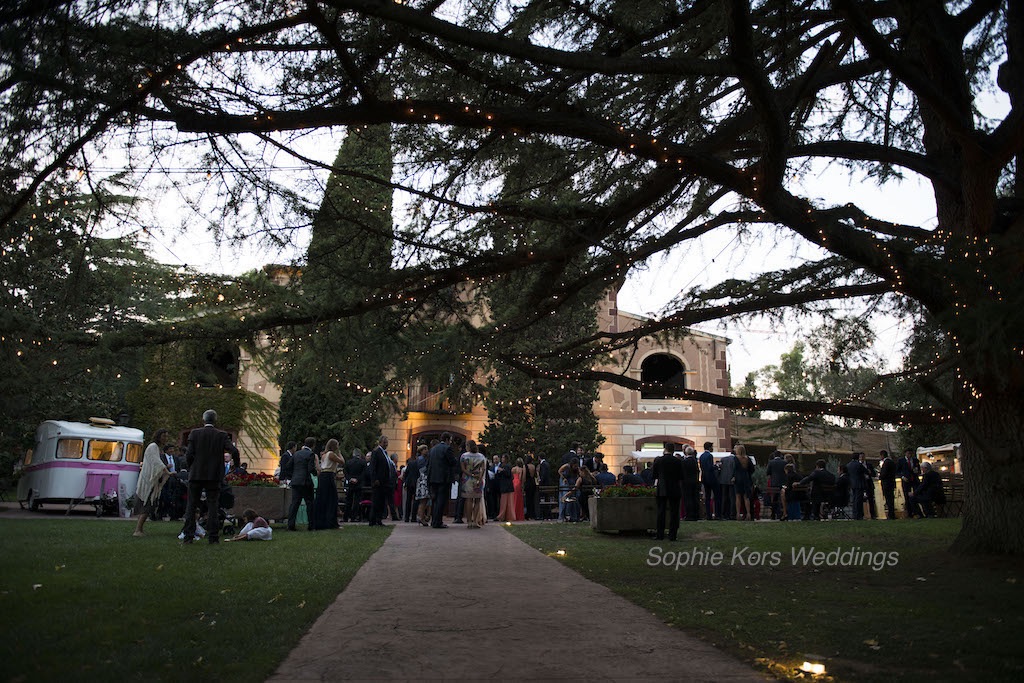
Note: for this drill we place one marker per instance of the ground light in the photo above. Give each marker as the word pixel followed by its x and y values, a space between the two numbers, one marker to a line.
pixel 560 553
pixel 816 668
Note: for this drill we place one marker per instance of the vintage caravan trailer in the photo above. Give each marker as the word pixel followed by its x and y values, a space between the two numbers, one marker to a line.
pixel 74 462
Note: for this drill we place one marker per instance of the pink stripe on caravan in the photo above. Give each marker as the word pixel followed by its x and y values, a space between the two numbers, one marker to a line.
pixel 93 465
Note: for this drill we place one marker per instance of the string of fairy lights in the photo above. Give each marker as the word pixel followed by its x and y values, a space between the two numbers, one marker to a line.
pixel 974 249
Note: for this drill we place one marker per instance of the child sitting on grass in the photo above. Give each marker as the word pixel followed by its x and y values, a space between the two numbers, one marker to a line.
pixel 255 529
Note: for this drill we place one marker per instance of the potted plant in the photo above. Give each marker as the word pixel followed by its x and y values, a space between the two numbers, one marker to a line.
pixel 623 508
pixel 258 491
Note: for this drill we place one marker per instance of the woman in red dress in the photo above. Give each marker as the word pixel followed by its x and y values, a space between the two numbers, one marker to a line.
pixel 518 480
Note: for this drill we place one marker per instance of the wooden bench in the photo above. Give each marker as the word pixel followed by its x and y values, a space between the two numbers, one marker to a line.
pixel 548 499
pixel 954 504
pixel 547 502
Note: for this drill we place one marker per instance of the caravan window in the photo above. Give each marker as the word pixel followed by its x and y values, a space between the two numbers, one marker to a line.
pixel 134 452
pixel 70 448
pixel 105 450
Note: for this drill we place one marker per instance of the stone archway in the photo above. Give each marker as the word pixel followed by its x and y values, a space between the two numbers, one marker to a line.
pixel 433 431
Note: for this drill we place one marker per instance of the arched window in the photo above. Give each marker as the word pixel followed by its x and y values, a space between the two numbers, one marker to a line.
pixel 662 369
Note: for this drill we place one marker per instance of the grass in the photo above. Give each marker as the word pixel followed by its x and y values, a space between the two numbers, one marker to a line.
pixel 930 616
pixel 84 599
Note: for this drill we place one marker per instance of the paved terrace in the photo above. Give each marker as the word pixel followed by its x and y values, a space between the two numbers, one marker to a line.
pixel 466 604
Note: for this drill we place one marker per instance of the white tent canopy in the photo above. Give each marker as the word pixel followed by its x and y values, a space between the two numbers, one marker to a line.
pixel 945 449
pixel 946 456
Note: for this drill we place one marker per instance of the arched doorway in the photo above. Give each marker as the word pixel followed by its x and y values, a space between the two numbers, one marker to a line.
pixel 662 369
pixel 426 433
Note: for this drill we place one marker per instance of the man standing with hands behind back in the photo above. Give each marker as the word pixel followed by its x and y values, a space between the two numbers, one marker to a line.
pixel 381 469
pixel 204 458
pixel 668 477
pixel 441 463
pixel 305 470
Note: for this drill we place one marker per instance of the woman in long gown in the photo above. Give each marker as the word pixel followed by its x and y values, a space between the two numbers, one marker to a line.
pixel 396 495
pixel 325 506
pixel 584 488
pixel 530 489
pixel 518 495
pixel 503 477
pixel 422 490
pixel 742 483
pixel 471 484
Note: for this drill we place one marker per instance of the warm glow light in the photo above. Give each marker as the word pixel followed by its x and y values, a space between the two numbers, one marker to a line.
pixel 816 669
pixel 560 553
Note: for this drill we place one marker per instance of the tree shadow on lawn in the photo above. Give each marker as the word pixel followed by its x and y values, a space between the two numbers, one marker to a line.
pixel 874 601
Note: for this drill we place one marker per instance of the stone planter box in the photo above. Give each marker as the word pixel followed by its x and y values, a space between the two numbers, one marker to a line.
pixel 623 514
pixel 269 503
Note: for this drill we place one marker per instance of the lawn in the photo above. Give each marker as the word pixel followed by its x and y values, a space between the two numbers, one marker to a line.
pixel 923 614
pixel 83 599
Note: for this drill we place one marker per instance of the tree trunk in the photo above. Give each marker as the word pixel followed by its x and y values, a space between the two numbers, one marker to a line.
pixel 993 465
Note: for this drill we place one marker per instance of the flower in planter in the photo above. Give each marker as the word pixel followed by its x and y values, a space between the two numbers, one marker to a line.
pixel 246 479
pixel 628 491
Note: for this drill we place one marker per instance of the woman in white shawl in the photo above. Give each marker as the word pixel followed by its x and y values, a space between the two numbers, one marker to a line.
pixel 151 479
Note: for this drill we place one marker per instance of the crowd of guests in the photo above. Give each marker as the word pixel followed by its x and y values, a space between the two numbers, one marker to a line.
pixel 797 496
pixel 729 493
pixel 440 474
pixel 460 480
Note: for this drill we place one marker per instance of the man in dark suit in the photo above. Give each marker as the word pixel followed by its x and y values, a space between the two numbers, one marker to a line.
pixel 887 477
pixel 354 469
pixel 858 475
pixel 630 478
pixel 776 471
pixel 908 469
pixel 668 476
pixel 869 485
pixel 441 463
pixel 492 492
pixel 381 478
pixel 727 487
pixel 204 459
pixel 284 465
pixel 691 484
pixel 305 469
pixel 928 492
pixel 412 475
pixel 818 480
pixel 587 460
pixel 571 455
pixel 709 480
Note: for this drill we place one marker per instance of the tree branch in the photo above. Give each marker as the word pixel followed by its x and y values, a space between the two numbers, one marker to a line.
pixel 858 412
